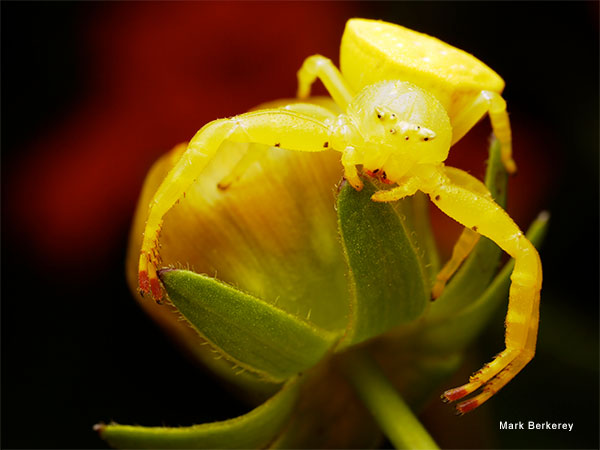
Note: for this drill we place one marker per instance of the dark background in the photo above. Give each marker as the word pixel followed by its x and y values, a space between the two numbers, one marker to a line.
pixel 92 93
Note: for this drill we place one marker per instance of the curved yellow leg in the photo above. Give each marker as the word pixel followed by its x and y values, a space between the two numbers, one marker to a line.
pixel 317 112
pixel 474 210
pixel 405 188
pixel 275 127
pixel 350 172
pixel 317 66
pixel 493 104
pixel 463 247
pixel 255 151
pixel 468 238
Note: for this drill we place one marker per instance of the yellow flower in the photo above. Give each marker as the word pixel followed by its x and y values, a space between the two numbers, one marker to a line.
pixel 315 296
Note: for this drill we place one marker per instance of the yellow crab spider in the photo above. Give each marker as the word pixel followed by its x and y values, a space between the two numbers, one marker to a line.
pixel 406 98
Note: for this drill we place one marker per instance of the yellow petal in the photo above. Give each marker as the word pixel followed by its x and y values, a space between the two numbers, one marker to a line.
pixel 273 234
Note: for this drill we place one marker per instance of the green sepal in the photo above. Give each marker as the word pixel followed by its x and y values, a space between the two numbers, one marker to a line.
pixel 387 278
pixel 254 334
pixel 416 210
pixel 477 271
pixel 255 429
pixel 458 331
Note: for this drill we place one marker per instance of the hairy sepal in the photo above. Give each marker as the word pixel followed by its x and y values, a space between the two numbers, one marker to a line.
pixel 387 279
pixel 249 331
pixel 255 429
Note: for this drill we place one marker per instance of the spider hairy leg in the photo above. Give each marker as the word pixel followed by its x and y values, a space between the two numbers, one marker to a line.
pixel 404 189
pixel 463 247
pixel 468 238
pixel 317 66
pixel 350 171
pixel 492 103
pixel 275 127
pixel 253 154
pixel 255 151
pixel 504 376
pixel 472 209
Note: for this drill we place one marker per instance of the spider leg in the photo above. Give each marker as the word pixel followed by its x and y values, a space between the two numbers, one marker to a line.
pixel 349 158
pixel 463 247
pixel 468 238
pixel 255 151
pixel 270 127
pixel 405 188
pixel 317 66
pixel 506 374
pixel 493 104
pixel 457 199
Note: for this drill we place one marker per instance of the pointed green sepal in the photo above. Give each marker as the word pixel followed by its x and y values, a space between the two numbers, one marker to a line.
pixel 416 211
pixel 252 333
pixel 255 429
pixel 388 282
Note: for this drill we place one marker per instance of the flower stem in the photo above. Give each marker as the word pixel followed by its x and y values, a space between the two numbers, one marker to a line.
pixel 384 402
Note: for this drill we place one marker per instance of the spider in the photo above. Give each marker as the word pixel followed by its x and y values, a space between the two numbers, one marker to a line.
pixel 406 99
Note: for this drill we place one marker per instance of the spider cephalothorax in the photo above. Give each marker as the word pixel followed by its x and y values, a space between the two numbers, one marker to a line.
pixel 399 125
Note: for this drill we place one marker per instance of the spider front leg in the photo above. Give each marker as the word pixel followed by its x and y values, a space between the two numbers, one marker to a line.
pixel 254 152
pixel 317 66
pixel 349 161
pixel 274 127
pixel 405 188
pixel 480 213
pixel 492 103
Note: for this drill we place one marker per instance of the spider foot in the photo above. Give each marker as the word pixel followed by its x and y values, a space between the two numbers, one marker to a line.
pixel 437 289
pixel 452 395
pixel 492 377
pixel 471 403
pixel 147 277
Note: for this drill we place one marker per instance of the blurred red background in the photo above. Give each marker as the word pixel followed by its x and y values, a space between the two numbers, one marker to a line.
pixel 156 73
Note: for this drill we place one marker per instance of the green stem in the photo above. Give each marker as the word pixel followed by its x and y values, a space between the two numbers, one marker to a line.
pixel 384 402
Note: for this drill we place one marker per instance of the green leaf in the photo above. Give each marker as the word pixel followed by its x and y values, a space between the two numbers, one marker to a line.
pixel 480 267
pixel 255 429
pixel 388 282
pixel 247 330
pixel 458 331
